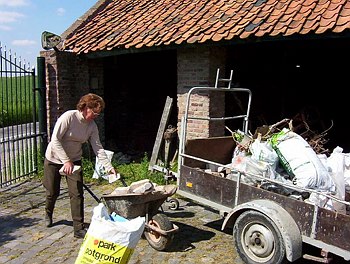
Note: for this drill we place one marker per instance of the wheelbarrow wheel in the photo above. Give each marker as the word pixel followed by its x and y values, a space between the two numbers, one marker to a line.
pixel 155 239
pixel 174 204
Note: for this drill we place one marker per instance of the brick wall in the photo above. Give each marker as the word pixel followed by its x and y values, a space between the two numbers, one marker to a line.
pixel 96 85
pixel 198 67
pixel 68 77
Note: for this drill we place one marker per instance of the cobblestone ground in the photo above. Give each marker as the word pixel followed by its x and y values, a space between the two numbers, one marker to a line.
pixel 24 239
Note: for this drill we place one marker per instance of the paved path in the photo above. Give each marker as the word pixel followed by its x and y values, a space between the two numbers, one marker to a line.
pixel 24 239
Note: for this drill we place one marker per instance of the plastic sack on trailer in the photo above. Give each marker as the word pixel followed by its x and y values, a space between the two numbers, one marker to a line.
pixel 108 241
pixel 263 151
pixel 252 167
pixel 347 172
pixel 336 167
pixel 301 161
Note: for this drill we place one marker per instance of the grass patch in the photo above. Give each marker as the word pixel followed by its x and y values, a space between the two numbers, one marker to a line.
pixel 17 100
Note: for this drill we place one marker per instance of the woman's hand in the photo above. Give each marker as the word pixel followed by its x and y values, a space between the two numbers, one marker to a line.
pixel 113 175
pixel 113 171
pixel 68 167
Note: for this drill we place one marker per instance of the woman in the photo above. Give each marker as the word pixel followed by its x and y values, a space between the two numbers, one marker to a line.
pixel 72 129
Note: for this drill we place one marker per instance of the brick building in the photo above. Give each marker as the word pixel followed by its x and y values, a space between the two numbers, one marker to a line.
pixel 136 53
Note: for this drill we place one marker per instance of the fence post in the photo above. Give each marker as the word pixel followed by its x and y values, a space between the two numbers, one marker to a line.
pixel 42 103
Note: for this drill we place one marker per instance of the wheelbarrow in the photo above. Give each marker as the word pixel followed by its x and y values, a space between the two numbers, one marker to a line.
pixel 159 230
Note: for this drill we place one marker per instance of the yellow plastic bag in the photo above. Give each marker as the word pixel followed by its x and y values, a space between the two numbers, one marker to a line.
pixel 108 241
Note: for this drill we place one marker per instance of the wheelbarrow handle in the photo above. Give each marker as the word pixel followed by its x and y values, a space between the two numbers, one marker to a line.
pixel 123 181
pixel 92 194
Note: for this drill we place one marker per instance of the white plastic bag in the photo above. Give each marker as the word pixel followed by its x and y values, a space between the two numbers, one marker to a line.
pixel 252 167
pixel 321 201
pixel 263 151
pixel 336 165
pixel 301 161
pixel 107 241
pixel 347 171
pixel 100 170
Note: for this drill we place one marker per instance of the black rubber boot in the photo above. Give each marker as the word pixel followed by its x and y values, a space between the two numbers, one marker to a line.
pixel 48 220
pixel 80 233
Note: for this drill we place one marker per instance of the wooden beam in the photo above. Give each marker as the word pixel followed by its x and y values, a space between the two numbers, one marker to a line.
pixel 161 129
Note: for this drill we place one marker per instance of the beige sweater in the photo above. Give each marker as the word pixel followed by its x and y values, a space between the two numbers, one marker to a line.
pixel 70 132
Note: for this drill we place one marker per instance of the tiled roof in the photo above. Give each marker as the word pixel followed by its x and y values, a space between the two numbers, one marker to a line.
pixel 126 24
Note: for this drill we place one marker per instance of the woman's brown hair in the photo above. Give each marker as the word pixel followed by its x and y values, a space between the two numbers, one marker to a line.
pixel 92 101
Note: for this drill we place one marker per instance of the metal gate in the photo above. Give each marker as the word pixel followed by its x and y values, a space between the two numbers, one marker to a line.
pixel 19 137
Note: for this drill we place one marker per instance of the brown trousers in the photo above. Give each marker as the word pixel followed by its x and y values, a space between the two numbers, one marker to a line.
pixel 52 184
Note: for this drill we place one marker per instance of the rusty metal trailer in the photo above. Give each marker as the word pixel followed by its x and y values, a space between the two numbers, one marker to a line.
pixel 268 227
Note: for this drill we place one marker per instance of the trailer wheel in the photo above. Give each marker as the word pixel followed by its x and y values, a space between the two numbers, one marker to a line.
pixel 258 240
pixel 155 239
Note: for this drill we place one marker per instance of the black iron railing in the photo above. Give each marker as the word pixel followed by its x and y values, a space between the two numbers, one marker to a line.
pixel 19 137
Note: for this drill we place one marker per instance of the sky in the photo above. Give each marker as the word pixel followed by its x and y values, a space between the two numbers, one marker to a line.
pixel 23 21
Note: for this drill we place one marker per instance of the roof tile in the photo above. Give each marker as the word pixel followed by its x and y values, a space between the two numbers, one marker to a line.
pixel 342 21
pixel 339 29
pixel 145 23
